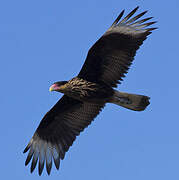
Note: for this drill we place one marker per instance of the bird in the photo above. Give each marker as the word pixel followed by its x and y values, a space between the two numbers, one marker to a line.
pixel 85 95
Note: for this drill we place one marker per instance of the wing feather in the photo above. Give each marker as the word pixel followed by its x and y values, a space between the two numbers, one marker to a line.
pixel 129 15
pixel 136 17
pixel 58 130
pixel 117 19
pixel 110 57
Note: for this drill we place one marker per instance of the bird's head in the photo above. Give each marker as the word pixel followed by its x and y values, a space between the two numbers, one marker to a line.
pixel 59 86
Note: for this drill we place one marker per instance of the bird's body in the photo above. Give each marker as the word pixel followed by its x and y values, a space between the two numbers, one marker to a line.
pixel 85 95
pixel 87 91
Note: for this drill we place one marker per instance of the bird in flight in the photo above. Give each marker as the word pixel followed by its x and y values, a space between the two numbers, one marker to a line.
pixel 85 95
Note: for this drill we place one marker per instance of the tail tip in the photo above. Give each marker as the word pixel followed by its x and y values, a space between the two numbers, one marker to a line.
pixel 143 103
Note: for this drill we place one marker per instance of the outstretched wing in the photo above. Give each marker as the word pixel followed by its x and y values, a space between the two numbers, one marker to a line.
pixel 57 131
pixel 110 57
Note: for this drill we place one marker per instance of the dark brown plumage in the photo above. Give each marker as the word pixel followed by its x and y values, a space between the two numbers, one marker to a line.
pixel 85 95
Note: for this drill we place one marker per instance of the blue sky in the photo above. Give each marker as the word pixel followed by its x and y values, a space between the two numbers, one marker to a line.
pixel 45 41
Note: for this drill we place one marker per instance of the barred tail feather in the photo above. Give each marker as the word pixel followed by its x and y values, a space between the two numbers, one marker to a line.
pixel 130 101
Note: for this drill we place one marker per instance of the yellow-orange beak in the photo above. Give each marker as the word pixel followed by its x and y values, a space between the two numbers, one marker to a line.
pixel 50 89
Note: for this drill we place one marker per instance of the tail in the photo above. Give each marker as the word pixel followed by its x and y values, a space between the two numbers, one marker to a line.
pixel 130 101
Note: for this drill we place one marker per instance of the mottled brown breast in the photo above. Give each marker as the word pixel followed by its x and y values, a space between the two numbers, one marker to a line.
pixel 88 91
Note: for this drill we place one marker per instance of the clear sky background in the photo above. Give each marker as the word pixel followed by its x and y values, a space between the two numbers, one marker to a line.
pixel 43 41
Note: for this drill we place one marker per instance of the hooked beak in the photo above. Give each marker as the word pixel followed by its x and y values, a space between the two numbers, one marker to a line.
pixel 53 87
